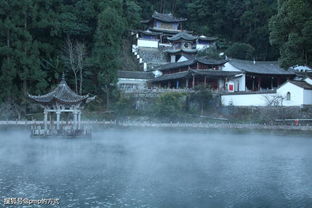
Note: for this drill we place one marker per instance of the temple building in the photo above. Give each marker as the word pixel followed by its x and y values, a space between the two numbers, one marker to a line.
pixel 204 42
pixel 60 101
pixel 172 55
pixel 194 72
pixel 164 24
pixel 183 46
pixel 258 75
pixel 162 27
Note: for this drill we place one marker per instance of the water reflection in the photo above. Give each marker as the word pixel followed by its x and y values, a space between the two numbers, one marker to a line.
pixel 160 168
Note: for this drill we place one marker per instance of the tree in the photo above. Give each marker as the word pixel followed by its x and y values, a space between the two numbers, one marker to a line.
pixel 108 36
pixel 203 96
pixel 241 51
pixel 75 54
pixel 290 30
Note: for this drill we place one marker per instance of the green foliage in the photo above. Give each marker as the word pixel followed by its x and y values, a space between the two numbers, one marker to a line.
pixel 33 38
pixel 124 106
pixel 234 20
pixel 241 51
pixel 290 30
pixel 202 96
pixel 106 50
pixel 170 105
pixel 210 53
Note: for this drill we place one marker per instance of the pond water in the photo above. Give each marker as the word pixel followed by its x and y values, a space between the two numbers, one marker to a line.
pixel 160 168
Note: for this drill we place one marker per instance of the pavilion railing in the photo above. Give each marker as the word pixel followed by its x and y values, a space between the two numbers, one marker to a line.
pixel 38 129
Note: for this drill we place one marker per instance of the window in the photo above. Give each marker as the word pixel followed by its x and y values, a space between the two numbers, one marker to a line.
pixel 288 96
pixel 186 45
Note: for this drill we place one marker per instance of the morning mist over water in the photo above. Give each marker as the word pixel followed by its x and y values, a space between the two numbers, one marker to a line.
pixel 160 168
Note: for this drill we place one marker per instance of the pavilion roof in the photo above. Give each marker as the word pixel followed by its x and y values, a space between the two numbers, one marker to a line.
pixel 183 36
pixel 61 94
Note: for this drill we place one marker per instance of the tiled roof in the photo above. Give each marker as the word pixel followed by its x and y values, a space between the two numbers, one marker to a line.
pixel 259 67
pixel 148 32
pixel 135 75
pixel 167 18
pixel 184 36
pixel 189 73
pixel 202 60
pixel 61 94
pixel 185 50
pixel 202 37
pixel 302 84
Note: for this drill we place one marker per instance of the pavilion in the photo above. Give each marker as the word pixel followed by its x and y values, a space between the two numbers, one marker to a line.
pixel 61 100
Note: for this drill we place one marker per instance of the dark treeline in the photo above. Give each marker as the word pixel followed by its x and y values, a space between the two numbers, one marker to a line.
pixel 41 39
pixel 87 39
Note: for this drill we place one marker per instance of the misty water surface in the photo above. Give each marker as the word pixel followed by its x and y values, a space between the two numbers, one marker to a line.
pixel 160 168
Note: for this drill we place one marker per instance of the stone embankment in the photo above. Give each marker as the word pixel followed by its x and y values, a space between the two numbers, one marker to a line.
pixel 170 125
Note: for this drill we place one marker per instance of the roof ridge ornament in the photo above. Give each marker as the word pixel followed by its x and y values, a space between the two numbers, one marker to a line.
pixel 63 81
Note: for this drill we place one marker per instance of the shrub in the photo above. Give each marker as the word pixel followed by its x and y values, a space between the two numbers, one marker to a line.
pixel 170 105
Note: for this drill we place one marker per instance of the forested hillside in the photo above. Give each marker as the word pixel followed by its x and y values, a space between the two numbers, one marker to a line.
pixel 89 39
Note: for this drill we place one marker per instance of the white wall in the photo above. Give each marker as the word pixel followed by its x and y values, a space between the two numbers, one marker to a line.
pixel 148 43
pixel 202 46
pixel 246 99
pixel 296 94
pixel 307 97
pixel 239 83
pixel 229 67
pixel 183 58
pixel 131 83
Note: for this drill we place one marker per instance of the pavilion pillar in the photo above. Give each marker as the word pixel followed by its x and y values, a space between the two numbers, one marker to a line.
pixel 58 119
pixel 177 84
pixel 187 83
pixel 45 122
pixel 272 83
pixel 259 84
pixel 75 119
pixel 193 83
pixel 79 120
pixel 205 82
